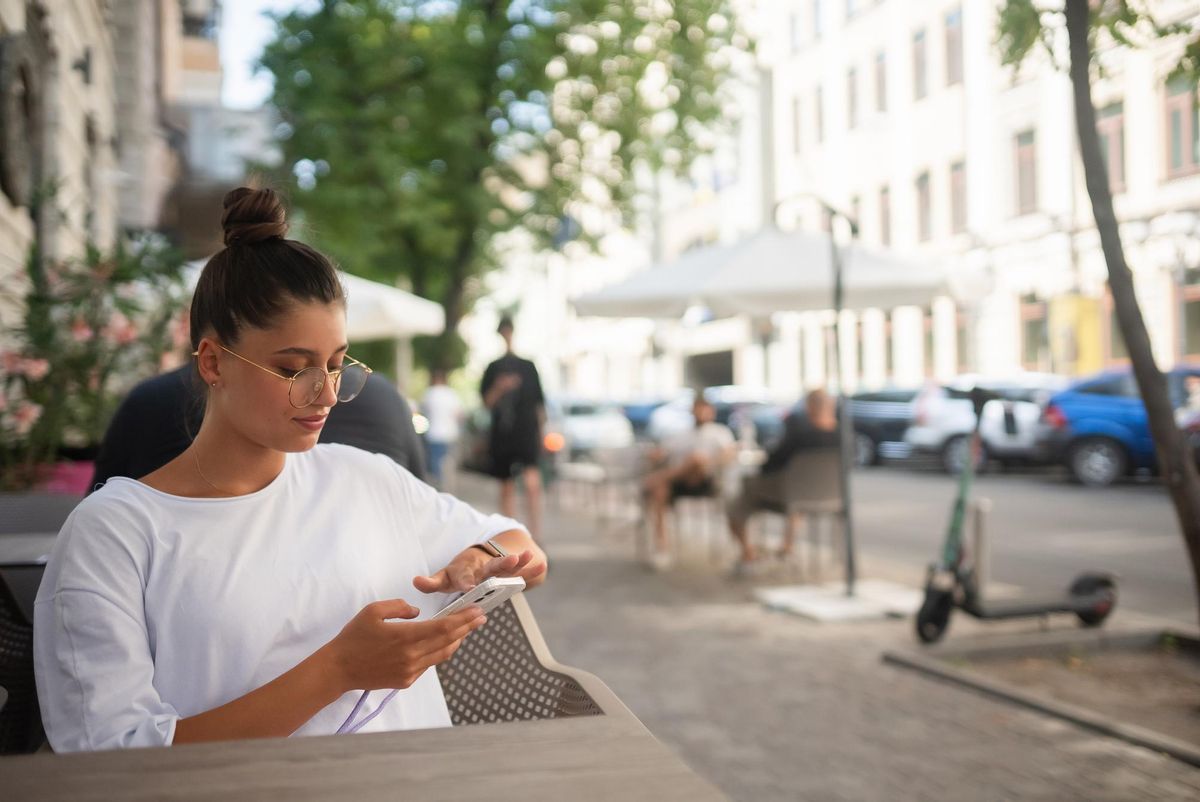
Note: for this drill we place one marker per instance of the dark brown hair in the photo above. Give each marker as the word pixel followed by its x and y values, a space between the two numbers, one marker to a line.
pixel 258 275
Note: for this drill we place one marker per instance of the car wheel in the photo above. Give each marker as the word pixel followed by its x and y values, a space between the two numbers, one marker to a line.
pixel 865 452
pixel 954 455
pixel 1097 461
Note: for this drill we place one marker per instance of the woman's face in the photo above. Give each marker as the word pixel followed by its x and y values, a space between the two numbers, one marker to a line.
pixel 257 404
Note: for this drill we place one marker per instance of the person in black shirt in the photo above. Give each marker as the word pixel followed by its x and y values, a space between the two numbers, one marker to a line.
pixel 512 390
pixel 815 428
pixel 156 422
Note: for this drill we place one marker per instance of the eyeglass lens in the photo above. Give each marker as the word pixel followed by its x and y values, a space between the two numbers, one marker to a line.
pixel 309 382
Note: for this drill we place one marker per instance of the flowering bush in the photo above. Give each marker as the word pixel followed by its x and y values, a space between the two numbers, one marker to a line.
pixel 92 328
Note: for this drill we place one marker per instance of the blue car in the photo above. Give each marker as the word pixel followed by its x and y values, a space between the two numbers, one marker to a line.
pixel 1098 426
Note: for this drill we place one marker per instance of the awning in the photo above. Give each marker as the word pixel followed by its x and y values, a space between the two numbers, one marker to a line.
pixel 771 271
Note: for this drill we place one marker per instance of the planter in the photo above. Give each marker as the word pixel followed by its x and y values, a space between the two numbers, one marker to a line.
pixel 69 477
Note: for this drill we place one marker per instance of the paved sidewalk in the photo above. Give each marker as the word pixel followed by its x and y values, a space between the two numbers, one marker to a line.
pixel 770 707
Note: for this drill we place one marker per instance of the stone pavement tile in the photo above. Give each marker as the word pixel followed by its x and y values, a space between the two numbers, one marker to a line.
pixel 770 707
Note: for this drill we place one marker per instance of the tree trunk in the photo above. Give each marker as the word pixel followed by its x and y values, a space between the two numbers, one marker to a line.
pixel 1175 462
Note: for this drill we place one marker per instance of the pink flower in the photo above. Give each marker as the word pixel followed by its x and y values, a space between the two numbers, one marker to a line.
pixel 26 416
pixel 121 330
pixel 81 332
pixel 11 361
pixel 35 369
pixel 3 400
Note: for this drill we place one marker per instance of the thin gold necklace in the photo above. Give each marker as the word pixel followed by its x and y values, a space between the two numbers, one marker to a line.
pixel 196 459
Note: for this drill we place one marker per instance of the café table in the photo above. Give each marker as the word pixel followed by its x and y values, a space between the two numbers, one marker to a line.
pixel 579 759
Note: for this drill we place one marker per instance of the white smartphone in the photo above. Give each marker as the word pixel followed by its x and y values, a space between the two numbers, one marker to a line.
pixel 488 594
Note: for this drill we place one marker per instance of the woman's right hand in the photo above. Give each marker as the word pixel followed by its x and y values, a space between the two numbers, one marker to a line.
pixel 372 652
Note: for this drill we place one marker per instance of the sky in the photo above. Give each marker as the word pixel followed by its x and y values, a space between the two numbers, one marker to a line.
pixel 244 32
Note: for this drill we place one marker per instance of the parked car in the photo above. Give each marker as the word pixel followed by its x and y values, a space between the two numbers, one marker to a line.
pixel 590 426
pixel 639 411
pixel 944 418
pixel 1098 429
pixel 748 412
pixel 881 417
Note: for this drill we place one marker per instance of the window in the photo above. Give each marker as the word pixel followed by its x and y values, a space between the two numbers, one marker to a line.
pixel 1116 343
pixel 889 367
pixel 885 216
pixel 796 37
pixel 958 197
pixel 1191 314
pixel 796 136
pixel 1035 334
pixel 1110 125
pixel 852 8
pixel 962 344
pixel 852 98
pixel 880 81
pixel 924 227
pixel 819 102
pixel 954 53
pixel 1123 386
pixel 818 29
pixel 919 86
pixel 1025 145
pixel 856 210
pixel 1183 129
pixel 929 344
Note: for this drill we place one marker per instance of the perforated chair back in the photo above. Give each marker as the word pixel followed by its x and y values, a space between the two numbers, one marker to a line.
pixel 20 718
pixel 34 512
pixel 812 481
pixel 504 672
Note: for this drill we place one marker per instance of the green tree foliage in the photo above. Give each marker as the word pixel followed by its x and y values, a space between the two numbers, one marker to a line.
pixel 416 131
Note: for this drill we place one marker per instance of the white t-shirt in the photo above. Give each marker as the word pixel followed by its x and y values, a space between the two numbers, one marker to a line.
pixel 442 407
pixel 157 607
pixel 712 440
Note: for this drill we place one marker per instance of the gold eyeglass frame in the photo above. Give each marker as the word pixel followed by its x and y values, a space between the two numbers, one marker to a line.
pixel 330 375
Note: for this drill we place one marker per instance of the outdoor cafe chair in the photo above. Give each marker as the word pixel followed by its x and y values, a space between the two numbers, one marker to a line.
pixel 812 487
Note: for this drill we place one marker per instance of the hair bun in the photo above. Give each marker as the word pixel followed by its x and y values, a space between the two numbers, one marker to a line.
pixel 253 215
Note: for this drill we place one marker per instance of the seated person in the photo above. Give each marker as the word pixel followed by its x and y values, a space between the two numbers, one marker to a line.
pixel 815 428
pixel 261 584
pixel 156 422
pixel 694 459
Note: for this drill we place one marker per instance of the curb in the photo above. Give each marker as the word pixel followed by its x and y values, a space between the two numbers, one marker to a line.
pixel 932 665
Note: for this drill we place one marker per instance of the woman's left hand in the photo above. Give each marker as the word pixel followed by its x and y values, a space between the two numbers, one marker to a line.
pixel 473 565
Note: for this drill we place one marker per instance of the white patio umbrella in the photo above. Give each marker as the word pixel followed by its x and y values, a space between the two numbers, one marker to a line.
pixel 771 271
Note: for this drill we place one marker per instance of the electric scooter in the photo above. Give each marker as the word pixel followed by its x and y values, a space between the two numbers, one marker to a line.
pixel 955 581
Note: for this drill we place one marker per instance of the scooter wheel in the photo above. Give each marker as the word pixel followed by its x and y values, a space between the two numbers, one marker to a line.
pixel 1105 591
pixel 934 616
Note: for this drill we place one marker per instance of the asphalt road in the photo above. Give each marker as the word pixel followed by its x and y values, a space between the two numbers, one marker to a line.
pixel 1044 530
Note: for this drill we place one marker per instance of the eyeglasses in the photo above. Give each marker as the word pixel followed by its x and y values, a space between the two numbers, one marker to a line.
pixel 306 385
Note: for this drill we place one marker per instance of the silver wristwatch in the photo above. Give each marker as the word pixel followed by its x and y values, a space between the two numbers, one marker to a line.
pixel 492 548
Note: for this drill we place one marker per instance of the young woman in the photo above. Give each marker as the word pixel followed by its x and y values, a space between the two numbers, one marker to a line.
pixel 259 583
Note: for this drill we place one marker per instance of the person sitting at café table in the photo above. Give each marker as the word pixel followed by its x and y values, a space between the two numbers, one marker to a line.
pixel 694 461
pixel 815 428
pixel 259 583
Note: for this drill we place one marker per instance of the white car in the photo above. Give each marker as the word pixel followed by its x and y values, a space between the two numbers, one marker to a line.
pixel 944 418
pixel 591 426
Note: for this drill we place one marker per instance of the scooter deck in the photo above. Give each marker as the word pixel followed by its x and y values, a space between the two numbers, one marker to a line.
pixel 1021 608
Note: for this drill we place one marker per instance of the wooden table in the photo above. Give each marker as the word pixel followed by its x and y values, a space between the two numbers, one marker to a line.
pixel 577 759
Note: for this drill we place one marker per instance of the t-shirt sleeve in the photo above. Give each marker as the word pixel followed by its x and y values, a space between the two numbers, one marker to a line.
pixel 445 525
pixel 92 658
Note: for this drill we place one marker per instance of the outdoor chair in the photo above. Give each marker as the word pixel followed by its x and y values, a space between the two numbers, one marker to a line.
pixel 505 672
pixel 20 718
pixel 812 488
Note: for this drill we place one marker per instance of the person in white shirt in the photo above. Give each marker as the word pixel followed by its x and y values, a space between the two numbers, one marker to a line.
pixel 443 410
pixel 260 584
pixel 693 460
